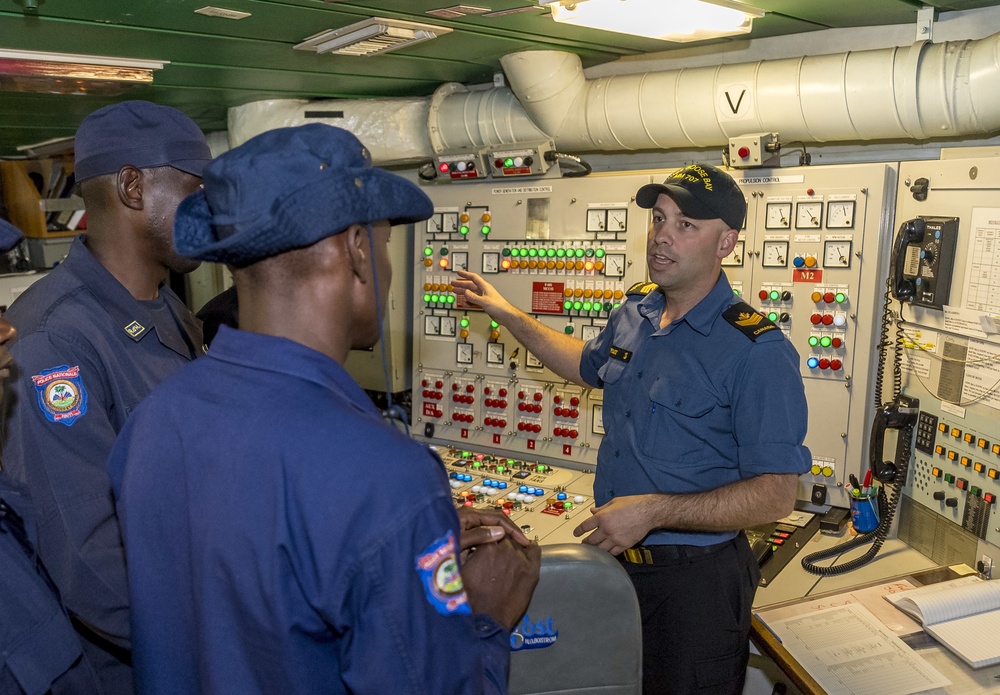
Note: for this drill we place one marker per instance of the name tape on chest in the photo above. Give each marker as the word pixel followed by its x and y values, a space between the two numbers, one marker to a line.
pixel 747 320
pixel 62 396
pixel 618 353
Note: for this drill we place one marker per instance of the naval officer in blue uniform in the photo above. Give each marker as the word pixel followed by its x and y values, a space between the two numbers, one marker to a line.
pixel 705 415
pixel 281 536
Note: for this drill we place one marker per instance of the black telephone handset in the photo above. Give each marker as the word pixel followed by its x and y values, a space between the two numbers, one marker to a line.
pixel 902 284
pixel 900 414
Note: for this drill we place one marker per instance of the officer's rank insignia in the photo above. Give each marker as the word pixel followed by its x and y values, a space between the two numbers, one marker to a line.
pixel 747 321
pixel 641 288
pixel 620 353
pixel 134 330
pixel 440 575
pixel 61 394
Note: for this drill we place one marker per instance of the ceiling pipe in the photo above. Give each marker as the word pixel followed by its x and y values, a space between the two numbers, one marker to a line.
pixel 917 92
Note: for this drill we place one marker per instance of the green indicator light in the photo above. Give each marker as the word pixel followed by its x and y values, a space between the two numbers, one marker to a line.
pixel 464 322
pixel 813 341
pixel 494 324
pixel 840 298
pixel 509 162
pixel 464 229
pixel 949 478
pixel 567 505
pixel 427 298
pixel 444 251
pixel 617 304
pixel 518 252
pixel 587 306
pixel 608 306
pixel 541 468
pixel 577 306
pixel 486 229
pixel 550 252
pixel 774 295
pixel 825 341
pixel 569 329
pixel 428 251
pixel 560 253
pixel 435 298
pixel 599 253
pixel 590 252
pixel 567 305
pixel 505 252
pixel 500 469
pixel 532 252
pixel 773 316
pixel 450 298
pixel 579 253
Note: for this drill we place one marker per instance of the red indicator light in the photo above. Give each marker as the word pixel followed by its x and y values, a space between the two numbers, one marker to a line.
pixel 743 152
pixel 443 167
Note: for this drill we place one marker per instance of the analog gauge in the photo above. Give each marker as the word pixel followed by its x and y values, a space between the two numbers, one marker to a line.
pixel 494 353
pixel 460 260
pixel 775 254
pixel 596 220
pixel 448 326
pixel 491 262
pixel 449 222
pixel 837 253
pixel 736 257
pixel 532 362
pixel 778 216
pixel 809 215
pixel 463 353
pixel 588 333
pixel 434 223
pixel 614 265
pixel 597 419
pixel 617 219
pixel 840 214
pixel 432 325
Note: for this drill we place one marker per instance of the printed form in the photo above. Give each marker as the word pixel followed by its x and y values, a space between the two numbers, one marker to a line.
pixel 849 652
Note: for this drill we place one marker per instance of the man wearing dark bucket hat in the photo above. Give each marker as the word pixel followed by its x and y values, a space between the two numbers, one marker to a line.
pixel 95 336
pixel 705 416
pixel 281 536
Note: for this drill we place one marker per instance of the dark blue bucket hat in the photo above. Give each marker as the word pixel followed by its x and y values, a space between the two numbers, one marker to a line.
pixel 286 189
pixel 10 236
pixel 142 134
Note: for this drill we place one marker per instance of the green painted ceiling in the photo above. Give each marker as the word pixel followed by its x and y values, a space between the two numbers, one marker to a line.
pixel 216 63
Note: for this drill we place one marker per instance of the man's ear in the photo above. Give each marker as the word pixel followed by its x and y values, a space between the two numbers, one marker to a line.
pixel 727 242
pixel 129 184
pixel 358 251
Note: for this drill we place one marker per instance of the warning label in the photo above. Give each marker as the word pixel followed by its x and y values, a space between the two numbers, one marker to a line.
pixel 547 297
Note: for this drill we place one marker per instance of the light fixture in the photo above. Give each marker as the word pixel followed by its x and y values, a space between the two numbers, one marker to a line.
pixel 70 73
pixel 668 20
pixel 371 37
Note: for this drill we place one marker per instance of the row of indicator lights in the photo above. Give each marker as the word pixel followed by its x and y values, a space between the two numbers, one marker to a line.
pixel 825 341
pixel 963 484
pixel 967 462
pixel 460 166
pixel 550 252
pixel 823 363
pixel 495 422
pixel 586 266
pixel 808 261
pixel 513 162
pixel 463 417
pixel 776 317
pixel 826 471
pixel 968 438
pixel 829 297
pixel 565 432
pixel 827 319
pixel 478 461
pixel 529 427
pixel 588 293
pixel 435 298
pixel 589 306
pixel 774 295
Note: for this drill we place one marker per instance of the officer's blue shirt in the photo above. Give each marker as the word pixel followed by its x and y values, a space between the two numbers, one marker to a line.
pixel 282 538
pixel 87 354
pixel 39 650
pixel 693 406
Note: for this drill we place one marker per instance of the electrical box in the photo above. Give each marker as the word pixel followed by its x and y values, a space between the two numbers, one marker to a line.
pixel 756 150
pixel 468 165
pixel 516 161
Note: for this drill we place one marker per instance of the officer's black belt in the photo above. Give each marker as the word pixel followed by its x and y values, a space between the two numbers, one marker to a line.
pixel 669 554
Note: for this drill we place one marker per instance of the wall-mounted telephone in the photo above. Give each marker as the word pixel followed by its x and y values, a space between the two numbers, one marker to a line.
pixel 900 414
pixel 923 255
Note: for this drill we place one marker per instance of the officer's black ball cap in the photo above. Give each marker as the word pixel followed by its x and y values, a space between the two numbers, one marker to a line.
pixel 702 192
pixel 286 189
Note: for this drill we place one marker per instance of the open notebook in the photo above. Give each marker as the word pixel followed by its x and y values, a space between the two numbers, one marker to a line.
pixel 963 615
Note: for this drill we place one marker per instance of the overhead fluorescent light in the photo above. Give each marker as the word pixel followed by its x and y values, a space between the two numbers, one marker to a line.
pixel 371 37
pixel 69 73
pixel 668 20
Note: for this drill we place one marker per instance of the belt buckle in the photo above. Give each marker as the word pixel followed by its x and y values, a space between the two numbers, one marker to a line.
pixel 639 556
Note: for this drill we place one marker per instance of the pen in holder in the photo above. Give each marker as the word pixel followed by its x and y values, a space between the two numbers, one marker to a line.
pixel 864 513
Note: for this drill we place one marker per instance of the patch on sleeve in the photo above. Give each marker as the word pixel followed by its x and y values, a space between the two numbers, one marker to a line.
pixel 440 575
pixel 61 394
pixel 747 321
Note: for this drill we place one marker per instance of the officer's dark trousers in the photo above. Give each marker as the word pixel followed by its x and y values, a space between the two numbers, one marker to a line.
pixel 695 605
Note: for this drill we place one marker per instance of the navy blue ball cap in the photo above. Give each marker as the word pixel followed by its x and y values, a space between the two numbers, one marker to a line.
pixel 142 134
pixel 10 236
pixel 286 189
pixel 702 192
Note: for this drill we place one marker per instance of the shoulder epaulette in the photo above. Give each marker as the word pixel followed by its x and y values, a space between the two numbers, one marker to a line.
pixel 748 320
pixel 641 288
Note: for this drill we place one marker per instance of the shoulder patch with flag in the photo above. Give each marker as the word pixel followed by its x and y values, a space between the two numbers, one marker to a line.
pixel 439 572
pixel 61 394
pixel 747 320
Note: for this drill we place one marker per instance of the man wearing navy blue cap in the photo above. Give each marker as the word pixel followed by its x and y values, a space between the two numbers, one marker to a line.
pixel 705 415
pixel 39 650
pixel 281 536
pixel 95 336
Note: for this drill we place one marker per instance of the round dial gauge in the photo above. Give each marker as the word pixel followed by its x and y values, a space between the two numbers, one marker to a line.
pixel 778 216
pixel 448 326
pixel 775 254
pixel 494 353
pixel 596 220
pixel 840 214
pixel 809 215
pixel 463 353
pixel 837 253
pixel 617 218
pixel 491 262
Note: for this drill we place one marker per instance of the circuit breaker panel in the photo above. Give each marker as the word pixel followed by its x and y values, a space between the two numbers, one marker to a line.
pixel 951 348
pixel 564 250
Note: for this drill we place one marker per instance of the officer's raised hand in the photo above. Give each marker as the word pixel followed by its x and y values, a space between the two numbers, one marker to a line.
pixel 484 295
pixel 500 578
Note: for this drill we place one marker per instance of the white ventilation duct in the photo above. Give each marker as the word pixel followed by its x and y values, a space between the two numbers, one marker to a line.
pixel 916 92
